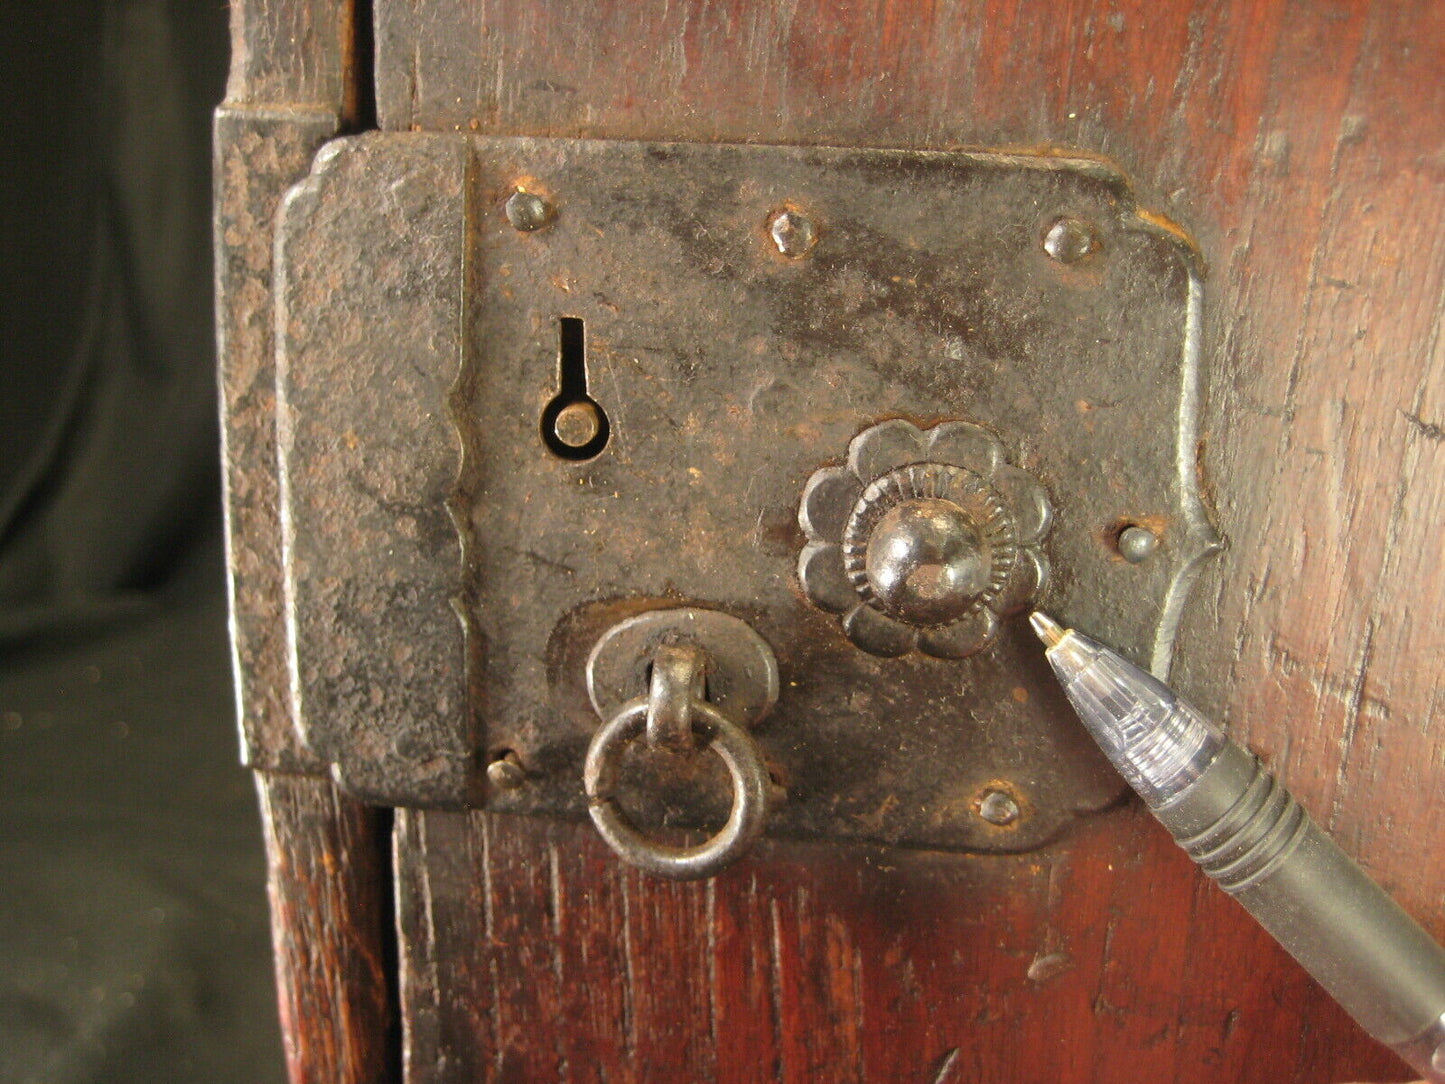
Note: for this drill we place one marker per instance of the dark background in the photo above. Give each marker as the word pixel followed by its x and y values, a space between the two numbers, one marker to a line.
pixel 133 940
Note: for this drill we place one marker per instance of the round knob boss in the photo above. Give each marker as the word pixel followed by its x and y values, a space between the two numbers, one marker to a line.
pixel 924 539
pixel 927 562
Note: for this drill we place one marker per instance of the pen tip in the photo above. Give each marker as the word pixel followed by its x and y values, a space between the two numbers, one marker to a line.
pixel 1048 630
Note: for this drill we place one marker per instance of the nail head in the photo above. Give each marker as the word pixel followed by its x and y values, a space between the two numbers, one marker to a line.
pixel 527 211
pixel 1069 240
pixel 1137 544
pixel 793 233
pixel 999 807
pixel 506 772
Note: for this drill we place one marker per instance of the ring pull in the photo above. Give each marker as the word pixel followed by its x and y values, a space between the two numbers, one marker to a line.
pixel 677 715
pixel 745 820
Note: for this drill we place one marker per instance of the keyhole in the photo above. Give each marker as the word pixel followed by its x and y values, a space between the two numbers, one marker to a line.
pixel 574 426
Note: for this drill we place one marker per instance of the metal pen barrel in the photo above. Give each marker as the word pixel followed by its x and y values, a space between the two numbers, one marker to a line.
pixel 1248 834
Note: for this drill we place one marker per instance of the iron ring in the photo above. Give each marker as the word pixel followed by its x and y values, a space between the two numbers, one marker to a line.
pixel 745 820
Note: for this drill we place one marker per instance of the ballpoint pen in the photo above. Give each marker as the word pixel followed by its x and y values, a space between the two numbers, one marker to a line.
pixel 1247 833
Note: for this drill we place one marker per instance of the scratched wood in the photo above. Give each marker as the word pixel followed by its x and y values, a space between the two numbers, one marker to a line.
pixel 1304 145
pixel 326 858
pixel 302 53
pixel 529 954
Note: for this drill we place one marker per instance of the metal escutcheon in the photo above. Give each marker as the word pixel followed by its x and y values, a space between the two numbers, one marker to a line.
pixel 703 671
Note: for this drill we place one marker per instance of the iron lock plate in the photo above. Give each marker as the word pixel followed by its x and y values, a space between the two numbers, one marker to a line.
pixel 448 572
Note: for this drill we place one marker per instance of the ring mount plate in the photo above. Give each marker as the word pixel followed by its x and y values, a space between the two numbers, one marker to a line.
pixel 742 674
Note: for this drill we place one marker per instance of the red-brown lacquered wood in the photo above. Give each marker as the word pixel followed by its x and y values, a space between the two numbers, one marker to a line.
pixel 531 954
pixel 1304 145
pixel 330 919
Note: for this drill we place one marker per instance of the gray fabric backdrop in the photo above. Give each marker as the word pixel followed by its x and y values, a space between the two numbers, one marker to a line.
pixel 133 944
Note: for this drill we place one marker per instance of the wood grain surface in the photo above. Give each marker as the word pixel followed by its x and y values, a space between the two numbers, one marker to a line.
pixel 1304 145
pixel 531 954
pixel 299 53
pixel 330 924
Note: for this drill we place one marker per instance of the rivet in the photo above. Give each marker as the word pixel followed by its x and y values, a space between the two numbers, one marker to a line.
pixel 793 233
pixel 506 772
pixel 1137 544
pixel 528 211
pixel 1069 240
pixel 577 423
pixel 999 807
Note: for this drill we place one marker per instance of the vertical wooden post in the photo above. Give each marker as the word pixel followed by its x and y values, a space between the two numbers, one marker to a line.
pixel 298 76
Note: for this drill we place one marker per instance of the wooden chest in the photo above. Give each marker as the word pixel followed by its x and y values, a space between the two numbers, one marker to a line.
pixel 446 927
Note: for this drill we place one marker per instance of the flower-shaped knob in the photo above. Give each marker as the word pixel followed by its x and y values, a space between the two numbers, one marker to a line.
pixel 924 539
